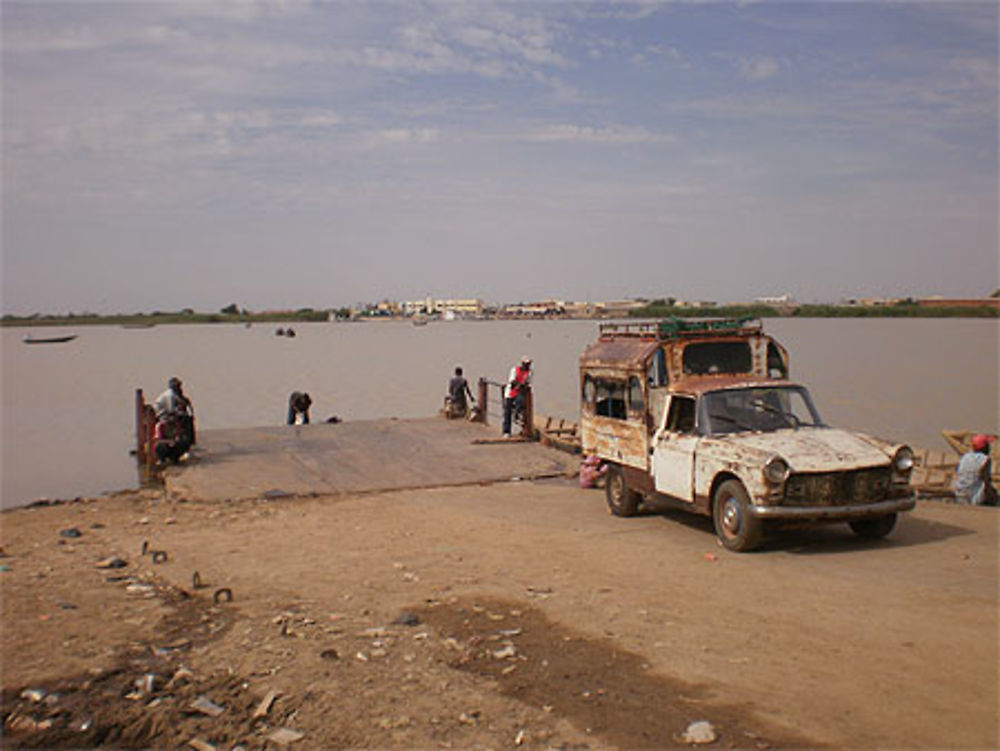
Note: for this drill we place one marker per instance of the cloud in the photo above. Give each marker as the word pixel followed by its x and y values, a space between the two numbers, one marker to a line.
pixel 612 134
pixel 532 47
pixel 479 39
pixel 978 71
pixel 636 10
pixel 403 136
pixel 321 119
pixel 238 11
pixel 656 50
pixel 562 90
pixel 759 69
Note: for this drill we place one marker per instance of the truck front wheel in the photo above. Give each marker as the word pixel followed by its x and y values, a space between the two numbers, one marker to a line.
pixel 735 527
pixel 622 501
pixel 873 529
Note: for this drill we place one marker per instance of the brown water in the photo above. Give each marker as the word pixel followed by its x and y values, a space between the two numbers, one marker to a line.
pixel 67 409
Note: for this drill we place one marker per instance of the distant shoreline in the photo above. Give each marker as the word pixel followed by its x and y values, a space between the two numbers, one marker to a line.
pixel 656 312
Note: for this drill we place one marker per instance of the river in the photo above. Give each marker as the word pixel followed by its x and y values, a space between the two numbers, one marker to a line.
pixel 68 409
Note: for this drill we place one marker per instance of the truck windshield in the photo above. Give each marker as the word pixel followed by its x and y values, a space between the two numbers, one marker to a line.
pixel 758 409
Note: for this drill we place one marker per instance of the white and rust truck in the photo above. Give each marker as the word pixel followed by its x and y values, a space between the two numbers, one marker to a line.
pixel 701 414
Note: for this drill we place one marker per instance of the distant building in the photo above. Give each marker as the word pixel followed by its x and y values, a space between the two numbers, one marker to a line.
pixel 785 299
pixel 874 302
pixel 578 309
pixel 535 309
pixel 963 302
pixel 696 304
pixel 615 308
pixel 452 308
pixel 460 308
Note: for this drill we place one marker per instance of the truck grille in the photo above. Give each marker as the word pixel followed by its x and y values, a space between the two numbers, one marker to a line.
pixel 838 488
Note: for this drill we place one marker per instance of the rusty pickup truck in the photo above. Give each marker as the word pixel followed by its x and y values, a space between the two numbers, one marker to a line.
pixel 701 414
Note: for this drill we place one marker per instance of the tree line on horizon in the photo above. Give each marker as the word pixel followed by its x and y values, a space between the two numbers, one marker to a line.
pixel 658 308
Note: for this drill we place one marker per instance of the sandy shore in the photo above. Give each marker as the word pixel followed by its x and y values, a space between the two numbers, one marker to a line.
pixel 500 616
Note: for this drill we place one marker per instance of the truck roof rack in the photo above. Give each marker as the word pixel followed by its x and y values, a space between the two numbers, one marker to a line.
pixel 679 328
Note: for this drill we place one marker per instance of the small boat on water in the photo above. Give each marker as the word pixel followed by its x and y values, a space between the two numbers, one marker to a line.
pixel 28 339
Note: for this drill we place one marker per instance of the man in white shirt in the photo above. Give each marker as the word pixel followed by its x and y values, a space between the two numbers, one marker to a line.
pixel 173 399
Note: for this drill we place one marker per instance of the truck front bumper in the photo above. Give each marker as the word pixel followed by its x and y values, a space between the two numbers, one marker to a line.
pixel 833 513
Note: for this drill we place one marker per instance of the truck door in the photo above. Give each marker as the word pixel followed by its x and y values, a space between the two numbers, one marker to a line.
pixel 673 452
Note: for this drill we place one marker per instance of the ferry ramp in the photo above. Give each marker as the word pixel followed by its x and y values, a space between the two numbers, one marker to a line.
pixel 356 457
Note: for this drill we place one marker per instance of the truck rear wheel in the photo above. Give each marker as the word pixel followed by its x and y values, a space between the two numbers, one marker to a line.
pixel 735 527
pixel 622 501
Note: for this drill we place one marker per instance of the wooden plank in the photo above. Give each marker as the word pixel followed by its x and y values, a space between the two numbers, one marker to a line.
pixel 958 440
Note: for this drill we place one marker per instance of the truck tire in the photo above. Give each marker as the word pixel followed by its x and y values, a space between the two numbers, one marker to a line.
pixel 873 529
pixel 622 501
pixel 735 527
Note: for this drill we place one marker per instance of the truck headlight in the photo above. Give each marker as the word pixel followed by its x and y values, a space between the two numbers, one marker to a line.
pixel 902 462
pixel 776 470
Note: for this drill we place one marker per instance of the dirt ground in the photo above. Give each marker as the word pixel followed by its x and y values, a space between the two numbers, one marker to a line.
pixel 488 617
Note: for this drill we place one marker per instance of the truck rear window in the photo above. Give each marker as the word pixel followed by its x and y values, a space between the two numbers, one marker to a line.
pixel 702 358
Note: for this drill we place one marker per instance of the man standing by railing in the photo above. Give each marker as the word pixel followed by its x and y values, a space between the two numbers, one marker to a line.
pixel 518 384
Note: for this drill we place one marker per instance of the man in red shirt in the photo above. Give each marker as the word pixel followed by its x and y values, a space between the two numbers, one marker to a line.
pixel 518 384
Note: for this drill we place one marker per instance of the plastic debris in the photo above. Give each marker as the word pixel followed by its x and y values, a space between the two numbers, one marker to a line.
pixel 81 724
pixel 71 532
pixel 182 676
pixel 407 619
pixel 33 694
pixel 699 732
pixel 146 684
pixel 392 723
pixel 265 705
pixel 206 706
pixel 285 736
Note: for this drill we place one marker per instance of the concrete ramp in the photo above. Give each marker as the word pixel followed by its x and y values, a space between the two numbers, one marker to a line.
pixel 353 457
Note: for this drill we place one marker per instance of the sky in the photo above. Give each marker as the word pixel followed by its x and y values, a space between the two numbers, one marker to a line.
pixel 289 154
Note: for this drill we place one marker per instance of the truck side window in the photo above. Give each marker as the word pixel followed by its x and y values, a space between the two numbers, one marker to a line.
pixel 589 395
pixel 636 404
pixel 656 370
pixel 777 367
pixel 611 399
pixel 680 419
